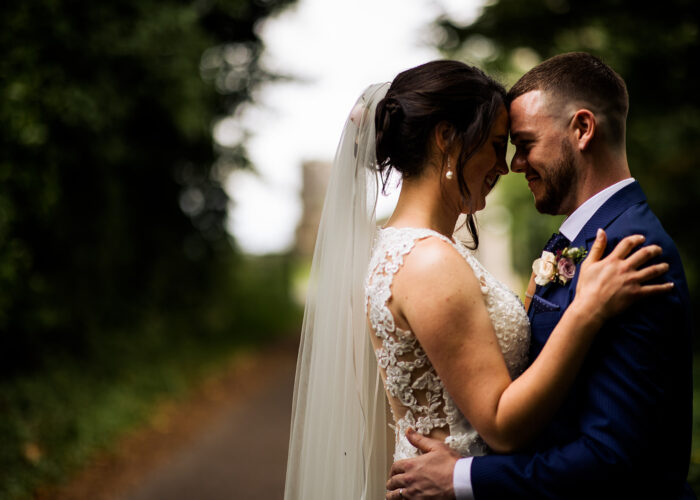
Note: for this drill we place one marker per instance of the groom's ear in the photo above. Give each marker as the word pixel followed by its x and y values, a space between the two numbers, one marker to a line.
pixel 584 128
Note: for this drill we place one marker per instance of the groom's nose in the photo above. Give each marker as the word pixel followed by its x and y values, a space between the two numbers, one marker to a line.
pixel 518 163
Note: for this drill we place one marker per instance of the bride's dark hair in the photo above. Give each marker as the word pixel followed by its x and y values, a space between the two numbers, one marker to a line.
pixel 419 99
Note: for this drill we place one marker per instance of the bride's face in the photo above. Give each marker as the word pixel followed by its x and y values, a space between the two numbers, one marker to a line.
pixel 485 166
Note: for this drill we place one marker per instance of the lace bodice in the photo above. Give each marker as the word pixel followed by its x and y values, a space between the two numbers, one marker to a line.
pixel 410 380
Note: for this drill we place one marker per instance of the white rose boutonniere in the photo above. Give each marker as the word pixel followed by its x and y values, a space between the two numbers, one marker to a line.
pixel 557 268
pixel 545 268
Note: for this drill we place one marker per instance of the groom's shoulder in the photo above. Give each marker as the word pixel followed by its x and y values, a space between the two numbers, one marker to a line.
pixel 656 313
pixel 640 219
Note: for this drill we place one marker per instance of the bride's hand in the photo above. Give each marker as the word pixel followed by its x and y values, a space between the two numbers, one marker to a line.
pixel 607 286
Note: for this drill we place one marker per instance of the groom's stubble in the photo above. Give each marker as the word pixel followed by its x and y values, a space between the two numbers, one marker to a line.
pixel 559 182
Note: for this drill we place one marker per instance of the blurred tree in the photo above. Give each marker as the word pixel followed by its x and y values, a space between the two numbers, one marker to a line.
pixel 653 46
pixel 111 199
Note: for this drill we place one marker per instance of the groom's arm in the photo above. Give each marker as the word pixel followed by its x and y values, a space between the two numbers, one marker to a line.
pixel 634 421
pixel 633 418
pixel 633 427
pixel 623 400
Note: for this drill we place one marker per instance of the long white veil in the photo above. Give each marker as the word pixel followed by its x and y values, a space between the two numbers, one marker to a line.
pixel 338 445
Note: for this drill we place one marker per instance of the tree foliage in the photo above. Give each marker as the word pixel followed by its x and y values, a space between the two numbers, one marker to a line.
pixel 653 46
pixel 111 199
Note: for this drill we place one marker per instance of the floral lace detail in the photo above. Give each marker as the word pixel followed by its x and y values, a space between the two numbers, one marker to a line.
pixel 409 378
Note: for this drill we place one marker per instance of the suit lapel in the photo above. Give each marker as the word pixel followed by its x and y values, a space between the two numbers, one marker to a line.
pixel 606 214
pixel 560 296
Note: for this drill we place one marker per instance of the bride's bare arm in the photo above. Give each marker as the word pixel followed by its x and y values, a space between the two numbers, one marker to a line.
pixel 440 298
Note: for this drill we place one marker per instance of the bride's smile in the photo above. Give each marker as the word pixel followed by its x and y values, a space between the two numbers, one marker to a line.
pixel 487 164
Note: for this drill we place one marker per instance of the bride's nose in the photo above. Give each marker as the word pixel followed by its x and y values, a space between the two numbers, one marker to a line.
pixel 502 166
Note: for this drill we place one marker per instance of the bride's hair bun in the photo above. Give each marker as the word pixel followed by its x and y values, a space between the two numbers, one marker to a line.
pixel 422 97
pixel 388 117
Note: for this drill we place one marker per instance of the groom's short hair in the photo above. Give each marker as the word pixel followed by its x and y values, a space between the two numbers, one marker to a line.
pixel 581 77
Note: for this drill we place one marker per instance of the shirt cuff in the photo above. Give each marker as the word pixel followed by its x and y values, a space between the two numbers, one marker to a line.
pixel 462 479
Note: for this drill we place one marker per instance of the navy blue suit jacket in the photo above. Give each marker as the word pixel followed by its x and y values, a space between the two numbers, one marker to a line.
pixel 624 430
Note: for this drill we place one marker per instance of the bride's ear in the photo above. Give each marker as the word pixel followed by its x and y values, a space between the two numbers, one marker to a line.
pixel 443 137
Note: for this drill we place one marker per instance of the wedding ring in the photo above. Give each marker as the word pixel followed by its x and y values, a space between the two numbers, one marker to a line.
pixel 401 493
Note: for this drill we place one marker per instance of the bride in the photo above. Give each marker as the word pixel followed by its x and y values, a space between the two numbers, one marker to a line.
pixel 406 315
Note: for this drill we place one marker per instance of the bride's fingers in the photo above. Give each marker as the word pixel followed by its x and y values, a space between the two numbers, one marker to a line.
pixel 647 290
pixel 643 255
pixel 626 245
pixel 601 240
pixel 650 272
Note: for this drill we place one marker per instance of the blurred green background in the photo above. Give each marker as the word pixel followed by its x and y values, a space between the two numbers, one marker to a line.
pixel 118 281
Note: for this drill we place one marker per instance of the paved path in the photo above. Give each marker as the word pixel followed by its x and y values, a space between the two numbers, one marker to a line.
pixel 226 441
pixel 241 454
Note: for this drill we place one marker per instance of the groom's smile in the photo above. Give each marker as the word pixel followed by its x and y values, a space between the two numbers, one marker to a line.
pixel 543 153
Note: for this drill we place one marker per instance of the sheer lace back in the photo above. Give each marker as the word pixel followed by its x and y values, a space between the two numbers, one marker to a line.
pixel 416 395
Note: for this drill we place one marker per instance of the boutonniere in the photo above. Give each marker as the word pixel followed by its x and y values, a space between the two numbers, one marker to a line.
pixel 559 267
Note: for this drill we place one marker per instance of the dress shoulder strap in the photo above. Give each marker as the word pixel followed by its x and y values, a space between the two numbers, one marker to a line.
pixel 390 248
pixel 393 244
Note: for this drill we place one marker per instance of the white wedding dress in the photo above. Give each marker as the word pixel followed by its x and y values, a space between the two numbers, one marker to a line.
pixel 410 379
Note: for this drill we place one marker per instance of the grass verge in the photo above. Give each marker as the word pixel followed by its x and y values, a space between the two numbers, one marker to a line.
pixel 56 417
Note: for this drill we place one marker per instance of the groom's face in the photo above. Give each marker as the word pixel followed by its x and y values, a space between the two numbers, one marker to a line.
pixel 543 153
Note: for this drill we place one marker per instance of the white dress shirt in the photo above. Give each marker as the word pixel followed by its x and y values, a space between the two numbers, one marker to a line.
pixel 572 225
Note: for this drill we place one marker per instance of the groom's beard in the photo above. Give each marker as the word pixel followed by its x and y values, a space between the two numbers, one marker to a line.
pixel 559 182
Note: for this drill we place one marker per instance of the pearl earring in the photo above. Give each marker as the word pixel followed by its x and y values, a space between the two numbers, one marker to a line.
pixel 450 175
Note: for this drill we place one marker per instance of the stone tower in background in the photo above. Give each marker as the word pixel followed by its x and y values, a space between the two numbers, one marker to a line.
pixel 315 176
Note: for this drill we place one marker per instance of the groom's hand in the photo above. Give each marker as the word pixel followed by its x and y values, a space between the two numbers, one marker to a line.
pixel 426 476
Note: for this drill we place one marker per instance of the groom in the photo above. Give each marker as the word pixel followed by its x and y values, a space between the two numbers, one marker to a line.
pixel 625 429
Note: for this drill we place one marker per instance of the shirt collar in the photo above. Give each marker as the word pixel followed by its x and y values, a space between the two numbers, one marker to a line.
pixel 575 222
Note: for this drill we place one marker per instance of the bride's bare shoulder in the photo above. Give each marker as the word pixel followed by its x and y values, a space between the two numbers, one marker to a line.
pixel 437 294
pixel 434 266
